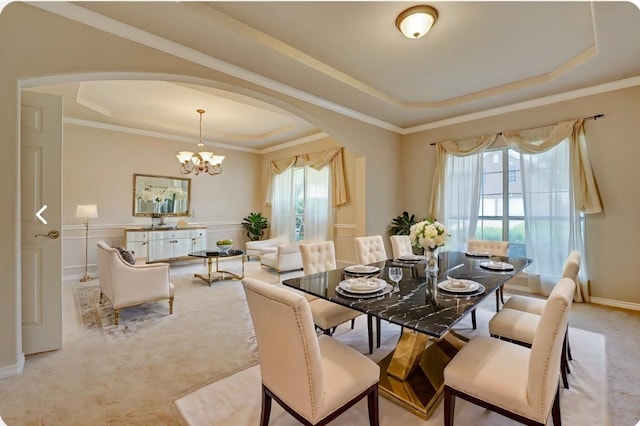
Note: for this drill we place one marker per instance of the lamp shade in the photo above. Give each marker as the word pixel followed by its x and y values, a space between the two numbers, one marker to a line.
pixel 87 211
pixel 416 21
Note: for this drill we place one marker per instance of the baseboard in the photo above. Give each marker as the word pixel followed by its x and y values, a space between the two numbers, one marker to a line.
pixel 12 370
pixel 615 303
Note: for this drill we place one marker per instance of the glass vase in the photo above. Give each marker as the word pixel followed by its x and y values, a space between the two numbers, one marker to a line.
pixel 431 255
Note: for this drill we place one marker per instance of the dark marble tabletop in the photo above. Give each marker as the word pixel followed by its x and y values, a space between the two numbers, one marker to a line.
pixel 217 253
pixel 419 305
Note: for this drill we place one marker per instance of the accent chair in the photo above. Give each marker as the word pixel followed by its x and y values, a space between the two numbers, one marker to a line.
pixel 124 284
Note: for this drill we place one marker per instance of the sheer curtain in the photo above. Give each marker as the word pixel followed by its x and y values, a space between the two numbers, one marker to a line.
pixel 558 186
pixel 283 221
pixel 461 197
pixel 317 206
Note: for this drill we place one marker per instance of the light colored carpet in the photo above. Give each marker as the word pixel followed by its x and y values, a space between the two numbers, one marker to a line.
pixel 135 378
pixel 235 400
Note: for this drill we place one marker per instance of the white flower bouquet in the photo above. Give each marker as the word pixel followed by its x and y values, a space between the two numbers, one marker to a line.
pixel 428 234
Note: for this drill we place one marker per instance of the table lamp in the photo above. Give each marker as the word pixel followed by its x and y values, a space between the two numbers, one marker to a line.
pixel 86 212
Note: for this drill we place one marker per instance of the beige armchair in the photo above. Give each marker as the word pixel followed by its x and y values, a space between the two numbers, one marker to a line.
pixel 316 378
pixel 512 380
pixel 125 285
pixel 253 248
pixel 285 257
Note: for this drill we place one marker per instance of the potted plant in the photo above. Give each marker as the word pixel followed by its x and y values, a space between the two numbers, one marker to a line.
pixel 401 225
pixel 255 224
pixel 224 245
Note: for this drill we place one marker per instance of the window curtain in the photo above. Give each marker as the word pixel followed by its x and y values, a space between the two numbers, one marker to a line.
pixel 317 210
pixel 455 190
pixel 283 220
pixel 334 158
pixel 558 184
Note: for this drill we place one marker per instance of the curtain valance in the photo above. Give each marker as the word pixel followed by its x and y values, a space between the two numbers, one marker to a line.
pixel 529 141
pixel 334 158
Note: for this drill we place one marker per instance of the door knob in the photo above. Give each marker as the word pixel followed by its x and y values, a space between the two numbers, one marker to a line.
pixel 53 234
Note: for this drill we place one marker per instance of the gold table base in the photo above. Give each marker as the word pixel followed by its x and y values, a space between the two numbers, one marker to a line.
pixel 213 275
pixel 412 376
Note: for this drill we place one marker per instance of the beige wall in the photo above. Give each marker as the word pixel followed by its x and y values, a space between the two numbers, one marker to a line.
pixel 98 168
pixel 35 44
pixel 612 236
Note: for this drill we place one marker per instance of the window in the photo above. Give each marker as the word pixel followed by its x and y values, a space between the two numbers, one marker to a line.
pixel 301 203
pixel 501 207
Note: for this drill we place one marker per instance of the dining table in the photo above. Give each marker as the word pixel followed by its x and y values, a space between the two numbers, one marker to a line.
pixel 426 304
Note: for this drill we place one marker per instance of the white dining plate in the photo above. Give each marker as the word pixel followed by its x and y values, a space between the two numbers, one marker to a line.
pixel 388 288
pixel 362 285
pixel 497 266
pixel 459 286
pixel 362 269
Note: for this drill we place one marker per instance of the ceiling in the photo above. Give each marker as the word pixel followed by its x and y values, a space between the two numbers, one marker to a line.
pixel 479 59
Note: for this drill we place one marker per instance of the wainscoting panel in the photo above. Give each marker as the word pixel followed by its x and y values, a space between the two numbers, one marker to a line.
pixel 73 243
pixel 343 235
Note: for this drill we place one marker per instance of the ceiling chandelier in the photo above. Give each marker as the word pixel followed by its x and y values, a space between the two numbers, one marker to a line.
pixel 416 21
pixel 202 161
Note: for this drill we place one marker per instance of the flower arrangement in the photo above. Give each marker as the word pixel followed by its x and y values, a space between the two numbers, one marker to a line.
pixel 224 242
pixel 429 234
pixel 160 194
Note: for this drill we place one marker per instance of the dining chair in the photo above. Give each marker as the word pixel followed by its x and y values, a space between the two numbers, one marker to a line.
pixel 321 257
pixel 518 382
pixel 493 248
pixel 401 245
pixel 314 378
pixel 520 315
pixel 371 249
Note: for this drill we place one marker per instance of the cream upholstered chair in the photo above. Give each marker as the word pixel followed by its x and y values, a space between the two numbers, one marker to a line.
pixel 519 318
pixel 370 249
pixel 253 248
pixel 515 381
pixel 316 378
pixel 494 248
pixel 125 284
pixel 321 257
pixel 401 245
pixel 285 257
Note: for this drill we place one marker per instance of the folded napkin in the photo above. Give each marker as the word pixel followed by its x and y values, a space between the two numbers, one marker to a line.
pixel 479 253
pixel 360 285
pixel 457 284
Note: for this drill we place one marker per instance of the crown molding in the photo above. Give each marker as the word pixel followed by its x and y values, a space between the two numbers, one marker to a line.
pixel 546 100
pixel 103 23
pixel 169 136
pixel 120 29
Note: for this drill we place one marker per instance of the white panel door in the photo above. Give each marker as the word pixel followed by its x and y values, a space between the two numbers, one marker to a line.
pixel 41 184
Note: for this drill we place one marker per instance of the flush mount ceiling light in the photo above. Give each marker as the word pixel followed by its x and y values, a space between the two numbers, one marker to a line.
pixel 416 21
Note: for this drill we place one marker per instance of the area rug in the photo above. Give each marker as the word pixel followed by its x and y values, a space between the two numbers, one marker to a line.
pixel 235 400
pixel 99 318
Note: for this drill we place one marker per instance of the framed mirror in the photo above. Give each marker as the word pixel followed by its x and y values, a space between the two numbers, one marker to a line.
pixel 158 196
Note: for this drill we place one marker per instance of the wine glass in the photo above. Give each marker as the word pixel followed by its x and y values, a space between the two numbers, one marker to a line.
pixel 395 275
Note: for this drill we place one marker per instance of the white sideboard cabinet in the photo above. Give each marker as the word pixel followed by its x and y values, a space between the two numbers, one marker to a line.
pixel 166 244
